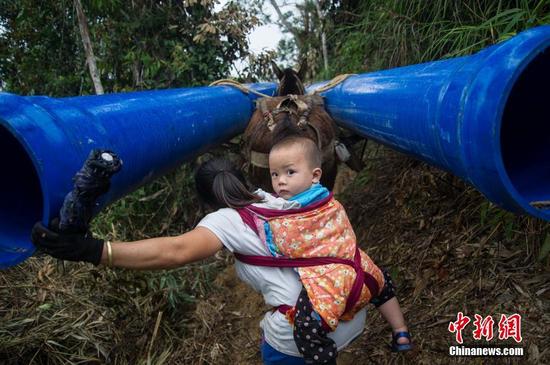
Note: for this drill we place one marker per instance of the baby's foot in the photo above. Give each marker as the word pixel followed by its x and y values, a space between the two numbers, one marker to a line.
pixel 401 341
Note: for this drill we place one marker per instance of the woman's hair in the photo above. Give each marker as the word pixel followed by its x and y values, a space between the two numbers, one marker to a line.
pixel 221 185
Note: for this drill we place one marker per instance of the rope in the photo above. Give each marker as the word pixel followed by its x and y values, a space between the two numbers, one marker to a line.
pixel 332 83
pixel 238 85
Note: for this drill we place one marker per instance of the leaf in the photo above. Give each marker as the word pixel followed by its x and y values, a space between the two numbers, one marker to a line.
pixel 45 306
pixel 545 248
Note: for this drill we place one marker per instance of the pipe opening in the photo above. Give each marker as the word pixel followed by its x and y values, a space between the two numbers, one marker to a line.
pixel 525 134
pixel 20 198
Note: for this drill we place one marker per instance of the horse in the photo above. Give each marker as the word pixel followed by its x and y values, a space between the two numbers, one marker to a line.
pixel 307 112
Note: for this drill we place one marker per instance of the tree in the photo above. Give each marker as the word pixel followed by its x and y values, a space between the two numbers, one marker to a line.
pixel 39 50
pixel 142 44
pixel 322 33
pixel 308 24
pixel 88 49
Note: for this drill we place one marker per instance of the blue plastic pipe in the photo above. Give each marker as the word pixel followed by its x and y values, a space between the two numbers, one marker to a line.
pixel 44 142
pixel 484 117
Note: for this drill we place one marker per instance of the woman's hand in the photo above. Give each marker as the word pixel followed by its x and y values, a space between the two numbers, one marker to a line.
pixel 67 246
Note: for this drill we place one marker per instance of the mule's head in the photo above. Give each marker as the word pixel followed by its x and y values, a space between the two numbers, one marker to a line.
pixel 302 115
pixel 290 81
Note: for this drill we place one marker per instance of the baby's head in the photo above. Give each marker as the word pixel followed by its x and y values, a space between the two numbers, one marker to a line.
pixel 294 165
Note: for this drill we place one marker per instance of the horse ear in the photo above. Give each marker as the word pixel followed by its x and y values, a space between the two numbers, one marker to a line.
pixel 277 70
pixel 303 69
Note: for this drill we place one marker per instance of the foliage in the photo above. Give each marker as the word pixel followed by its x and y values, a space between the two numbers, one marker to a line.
pixel 90 315
pixel 257 67
pixel 386 34
pixel 142 44
pixel 76 313
pixel 39 49
pixel 80 314
pixel 371 35
pixel 95 315
pixel 302 23
pixel 165 206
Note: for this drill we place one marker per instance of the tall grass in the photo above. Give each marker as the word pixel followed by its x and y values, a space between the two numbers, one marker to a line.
pixel 61 313
pixel 167 206
pixel 391 33
pixel 386 34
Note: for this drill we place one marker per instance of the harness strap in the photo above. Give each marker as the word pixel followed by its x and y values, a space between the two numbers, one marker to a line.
pixel 259 159
pixel 234 83
pixel 332 83
pixel 247 213
pixel 304 105
pixel 284 308
pixel 361 276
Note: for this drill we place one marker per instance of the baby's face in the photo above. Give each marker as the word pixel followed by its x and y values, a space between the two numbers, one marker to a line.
pixel 291 173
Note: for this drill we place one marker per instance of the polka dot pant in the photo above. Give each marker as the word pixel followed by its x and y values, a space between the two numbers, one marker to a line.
pixel 310 336
pixel 388 291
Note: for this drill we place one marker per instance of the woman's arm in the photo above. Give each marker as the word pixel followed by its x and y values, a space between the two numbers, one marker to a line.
pixel 164 252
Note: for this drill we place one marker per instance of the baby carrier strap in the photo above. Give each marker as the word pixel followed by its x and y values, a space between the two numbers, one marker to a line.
pixel 248 219
pixel 360 278
pixel 272 213
pixel 247 213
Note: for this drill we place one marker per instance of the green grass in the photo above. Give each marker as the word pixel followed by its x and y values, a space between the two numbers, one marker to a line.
pixel 387 34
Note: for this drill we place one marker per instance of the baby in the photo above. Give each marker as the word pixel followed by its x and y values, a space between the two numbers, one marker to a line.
pixel 329 294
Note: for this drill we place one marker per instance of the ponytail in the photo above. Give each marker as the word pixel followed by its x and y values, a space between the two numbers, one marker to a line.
pixel 221 185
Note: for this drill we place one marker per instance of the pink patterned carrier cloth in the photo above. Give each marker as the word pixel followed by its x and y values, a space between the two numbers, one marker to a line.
pixel 319 241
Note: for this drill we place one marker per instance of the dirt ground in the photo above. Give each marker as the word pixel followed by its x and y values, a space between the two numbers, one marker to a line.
pixel 448 250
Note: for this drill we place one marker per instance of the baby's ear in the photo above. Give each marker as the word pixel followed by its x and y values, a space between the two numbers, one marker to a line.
pixel 317 172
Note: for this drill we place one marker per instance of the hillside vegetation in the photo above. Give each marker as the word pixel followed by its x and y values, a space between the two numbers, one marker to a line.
pixel 448 248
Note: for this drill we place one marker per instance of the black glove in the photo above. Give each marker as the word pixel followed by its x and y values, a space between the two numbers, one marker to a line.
pixel 67 246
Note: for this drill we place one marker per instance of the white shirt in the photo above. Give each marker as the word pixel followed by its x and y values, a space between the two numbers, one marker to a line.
pixel 277 285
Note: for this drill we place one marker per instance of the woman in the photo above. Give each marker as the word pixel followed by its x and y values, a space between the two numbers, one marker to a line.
pixel 221 186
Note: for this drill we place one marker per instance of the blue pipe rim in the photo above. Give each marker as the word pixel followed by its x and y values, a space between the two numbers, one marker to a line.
pixel 506 96
pixel 19 254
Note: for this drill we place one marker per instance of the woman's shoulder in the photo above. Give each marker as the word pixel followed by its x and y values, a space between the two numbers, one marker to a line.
pixel 228 226
pixel 223 215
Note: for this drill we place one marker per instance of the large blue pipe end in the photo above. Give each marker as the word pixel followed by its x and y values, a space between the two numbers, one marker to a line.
pixel 525 135
pixel 484 117
pixel 21 200
pixel 44 142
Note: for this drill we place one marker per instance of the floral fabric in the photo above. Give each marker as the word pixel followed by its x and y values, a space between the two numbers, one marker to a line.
pixel 325 232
